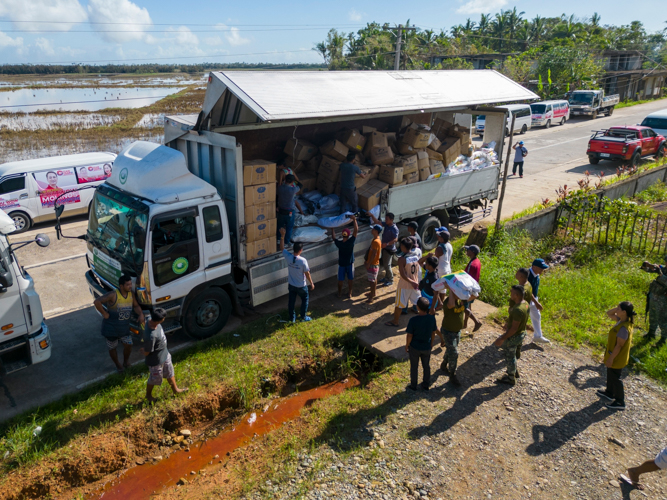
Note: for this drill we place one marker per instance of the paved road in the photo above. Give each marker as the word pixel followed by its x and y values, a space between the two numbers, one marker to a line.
pixel 556 157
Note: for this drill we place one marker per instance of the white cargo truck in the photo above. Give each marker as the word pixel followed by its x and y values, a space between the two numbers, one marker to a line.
pixel 173 216
pixel 592 103
pixel 24 336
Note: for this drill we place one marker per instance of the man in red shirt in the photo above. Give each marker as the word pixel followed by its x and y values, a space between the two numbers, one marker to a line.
pixel 474 269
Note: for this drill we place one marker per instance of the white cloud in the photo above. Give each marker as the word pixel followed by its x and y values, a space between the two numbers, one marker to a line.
pixel 234 37
pixel 354 15
pixel 7 41
pixel 119 11
pixel 481 6
pixel 66 13
pixel 45 46
pixel 182 36
pixel 213 41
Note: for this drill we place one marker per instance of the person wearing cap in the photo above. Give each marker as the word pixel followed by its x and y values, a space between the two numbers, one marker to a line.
pixel 372 261
pixel 617 353
pixel 346 256
pixel 389 240
pixel 348 190
pixel 474 269
pixel 520 152
pixel 443 252
pixel 657 302
pixel 287 206
pixel 413 227
pixel 534 273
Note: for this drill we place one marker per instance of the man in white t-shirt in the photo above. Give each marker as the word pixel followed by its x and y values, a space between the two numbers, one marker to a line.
pixel 298 278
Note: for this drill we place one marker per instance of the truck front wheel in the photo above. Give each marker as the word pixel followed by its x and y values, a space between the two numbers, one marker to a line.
pixel 207 313
pixel 594 115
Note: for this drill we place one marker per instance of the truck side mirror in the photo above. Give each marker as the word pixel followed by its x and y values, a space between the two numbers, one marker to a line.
pixel 42 240
pixel 5 281
pixel 59 210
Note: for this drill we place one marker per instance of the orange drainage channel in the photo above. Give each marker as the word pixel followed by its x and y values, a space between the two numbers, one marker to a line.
pixel 142 482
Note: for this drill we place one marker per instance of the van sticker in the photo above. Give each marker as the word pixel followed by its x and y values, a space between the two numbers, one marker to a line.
pixel 180 265
pixel 9 203
pixel 54 183
pixel 94 173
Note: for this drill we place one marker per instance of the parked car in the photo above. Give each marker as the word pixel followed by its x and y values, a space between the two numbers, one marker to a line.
pixel 522 121
pixel 546 113
pixel 657 121
pixel 625 143
pixel 29 188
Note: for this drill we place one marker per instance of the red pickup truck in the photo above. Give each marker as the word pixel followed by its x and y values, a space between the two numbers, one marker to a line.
pixel 625 143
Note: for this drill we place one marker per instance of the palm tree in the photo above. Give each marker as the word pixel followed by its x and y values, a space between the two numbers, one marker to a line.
pixel 595 20
pixel 514 24
pixel 499 27
pixel 538 28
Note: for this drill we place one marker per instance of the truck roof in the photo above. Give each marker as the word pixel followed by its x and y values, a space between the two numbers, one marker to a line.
pixel 638 128
pixel 156 173
pixel 253 97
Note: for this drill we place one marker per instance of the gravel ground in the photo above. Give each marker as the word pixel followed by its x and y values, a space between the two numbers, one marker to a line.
pixel 547 437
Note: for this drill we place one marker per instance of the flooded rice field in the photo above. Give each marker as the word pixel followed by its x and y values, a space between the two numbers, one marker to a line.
pixel 33 122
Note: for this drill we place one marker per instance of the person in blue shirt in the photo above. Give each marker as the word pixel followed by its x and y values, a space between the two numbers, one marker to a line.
pixel 534 273
pixel 389 240
pixel 520 152
pixel 421 332
pixel 346 256
pixel 287 206
pixel 298 278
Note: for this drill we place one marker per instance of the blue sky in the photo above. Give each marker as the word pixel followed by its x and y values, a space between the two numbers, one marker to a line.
pixel 50 31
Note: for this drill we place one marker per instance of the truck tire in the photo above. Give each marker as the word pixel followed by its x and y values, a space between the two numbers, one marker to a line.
pixel 22 221
pixel 634 161
pixel 548 125
pixel 593 161
pixel 594 115
pixel 660 153
pixel 427 226
pixel 207 313
pixel 610 111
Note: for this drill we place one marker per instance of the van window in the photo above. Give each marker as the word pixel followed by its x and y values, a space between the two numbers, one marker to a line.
pixel 12 184
pixel 549 108
pixel 522 112
pixel 212 223
pixel 538 109
pixel 175 249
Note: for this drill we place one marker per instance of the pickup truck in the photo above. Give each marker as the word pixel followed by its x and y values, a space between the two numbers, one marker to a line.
pixel 625 143
pixel 592 103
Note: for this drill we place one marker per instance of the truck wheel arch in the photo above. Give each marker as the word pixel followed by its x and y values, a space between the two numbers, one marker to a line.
pixel 28 222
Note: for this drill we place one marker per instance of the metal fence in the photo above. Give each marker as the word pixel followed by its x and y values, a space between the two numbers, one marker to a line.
pixel 586 218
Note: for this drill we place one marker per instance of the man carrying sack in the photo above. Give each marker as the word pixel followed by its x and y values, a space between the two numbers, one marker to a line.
pixel 656 302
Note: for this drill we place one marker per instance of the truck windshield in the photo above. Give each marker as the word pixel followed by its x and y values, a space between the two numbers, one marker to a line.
pixel 581 98
pixel 119 229
pixel 538 109
pixel 659 123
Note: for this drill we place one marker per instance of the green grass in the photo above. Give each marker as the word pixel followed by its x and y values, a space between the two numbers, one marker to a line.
pixel 243 361
pixel 655 193
pixel 626 104
pixel 530 210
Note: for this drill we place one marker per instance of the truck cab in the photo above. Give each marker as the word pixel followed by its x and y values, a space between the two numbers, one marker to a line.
pixel 25 338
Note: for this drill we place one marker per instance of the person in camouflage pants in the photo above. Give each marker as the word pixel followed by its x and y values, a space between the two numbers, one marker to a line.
pixel 514 335
pixel 657 301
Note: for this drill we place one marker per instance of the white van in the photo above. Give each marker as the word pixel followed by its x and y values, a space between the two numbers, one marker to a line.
pixel 547 113
pixel 28 189
pixel 522 124
pixel 657 121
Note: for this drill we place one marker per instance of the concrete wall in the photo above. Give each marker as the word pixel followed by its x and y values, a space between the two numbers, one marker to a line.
pixel 543 223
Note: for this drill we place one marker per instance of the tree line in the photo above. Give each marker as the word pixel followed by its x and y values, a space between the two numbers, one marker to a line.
pixel 82 69
pixel 560 53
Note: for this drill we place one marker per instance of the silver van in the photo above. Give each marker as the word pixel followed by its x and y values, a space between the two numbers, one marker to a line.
pixel 657 121
pixel 522 123
pixel 29 188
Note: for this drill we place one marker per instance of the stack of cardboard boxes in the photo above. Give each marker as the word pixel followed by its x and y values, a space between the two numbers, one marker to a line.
pixel 260 207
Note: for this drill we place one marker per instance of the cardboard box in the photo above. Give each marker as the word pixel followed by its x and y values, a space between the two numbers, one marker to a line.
pixel 422 159
pixel 405 149
pixel 440 128
pixel 382 156
pixel 353 139
pixel 335 149
pixel 391 137
pixel 303 151
pixel 450 149
pixel 261 230
pixel 462 133
pixel 370 173
pixel 258 172
pixel 295 165
pixel 417 136
pixel 308 181
pixel 436 167
pixel 424 173
pixel 405 123
pixel 262 248
pixel 313 164
pixel 325 185
pixel 375 140
pixel 391 174
pixel 367 130
pixel 402 183
pixel 433 155
pixel 262 193
pixel 329 168
pixel 409 163
pixel 435 143
pixel 259 213
pixel 370 194
pixel 412 177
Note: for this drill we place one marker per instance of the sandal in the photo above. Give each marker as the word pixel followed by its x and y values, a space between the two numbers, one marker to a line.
pixel 389 323
pixel 625 479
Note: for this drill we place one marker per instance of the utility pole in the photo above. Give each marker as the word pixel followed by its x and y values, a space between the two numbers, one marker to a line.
pixel 399 41
pixel 507 164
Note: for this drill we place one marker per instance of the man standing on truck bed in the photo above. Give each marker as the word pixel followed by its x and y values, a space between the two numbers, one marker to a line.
pixel 297 278
pixel 116 319
pixel 389 239
pixel 346 256
pixel 348 191
pixel 287 205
